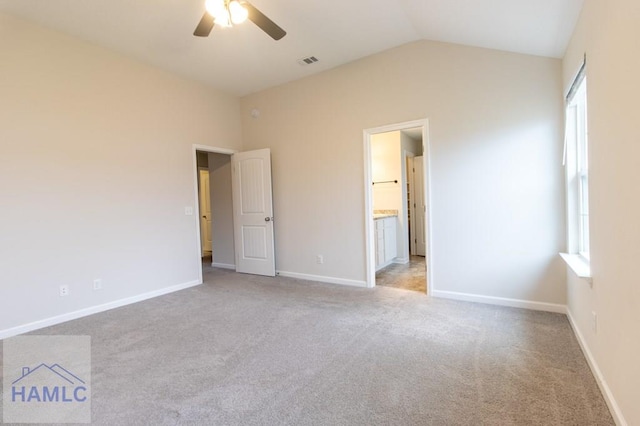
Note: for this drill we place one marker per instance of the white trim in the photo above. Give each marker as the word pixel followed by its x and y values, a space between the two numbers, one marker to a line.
pixel 384 265
pixel 322 279
pixel 502 301
pixel 368 197
pixel 223 265
pixel 579 265
pixel 194 152
pixel 369 225
pixel 406 239
pixel 214 149
pixel 615 410
pixel 58 319
pixel 394 261
pixel 411 211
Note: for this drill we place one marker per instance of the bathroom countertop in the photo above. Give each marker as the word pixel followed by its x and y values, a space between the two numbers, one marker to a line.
pixel 381 214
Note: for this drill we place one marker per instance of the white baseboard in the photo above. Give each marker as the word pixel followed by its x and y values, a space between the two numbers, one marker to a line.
pixel 58 319
pixel 616 413
pixel 384 265
pixel 322 279
pixel 502 301
pixel 223 265
pixel 401 260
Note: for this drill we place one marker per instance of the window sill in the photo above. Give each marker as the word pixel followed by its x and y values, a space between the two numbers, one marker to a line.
pixel 579 265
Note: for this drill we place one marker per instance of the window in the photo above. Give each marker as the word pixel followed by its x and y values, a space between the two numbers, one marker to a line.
pixel 577 164
pixel 579 103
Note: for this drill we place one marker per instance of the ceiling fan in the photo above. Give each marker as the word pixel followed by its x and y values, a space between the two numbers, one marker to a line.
pixel 228 12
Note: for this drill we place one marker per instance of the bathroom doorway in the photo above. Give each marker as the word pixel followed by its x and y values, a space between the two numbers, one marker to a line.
pixel 397 211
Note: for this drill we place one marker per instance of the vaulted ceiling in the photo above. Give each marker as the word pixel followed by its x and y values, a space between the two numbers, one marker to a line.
pixel 243 59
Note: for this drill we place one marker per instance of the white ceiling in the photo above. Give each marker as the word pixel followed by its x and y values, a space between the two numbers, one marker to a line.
pixel 243 59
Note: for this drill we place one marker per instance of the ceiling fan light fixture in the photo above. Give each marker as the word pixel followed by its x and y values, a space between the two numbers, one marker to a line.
pixel 223 19
pixel 215 8
pixel 226 13
pixel 238 12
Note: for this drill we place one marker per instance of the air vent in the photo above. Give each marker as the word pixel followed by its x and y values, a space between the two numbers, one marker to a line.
pixel 308 60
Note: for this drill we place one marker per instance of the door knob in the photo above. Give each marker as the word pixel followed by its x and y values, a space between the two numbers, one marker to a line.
pixel 267 219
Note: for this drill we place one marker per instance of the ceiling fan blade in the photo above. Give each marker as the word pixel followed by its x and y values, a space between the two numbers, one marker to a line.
pixel 265 24
pixel 204 26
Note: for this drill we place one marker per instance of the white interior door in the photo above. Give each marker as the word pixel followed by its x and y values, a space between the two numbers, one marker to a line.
pixel 420 206
pixel 205 212
pixel 253 212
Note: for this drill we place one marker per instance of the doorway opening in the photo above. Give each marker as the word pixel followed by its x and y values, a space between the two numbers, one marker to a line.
pixel 204 200
pixel 235 214
pixel 215 209
pixel 396 206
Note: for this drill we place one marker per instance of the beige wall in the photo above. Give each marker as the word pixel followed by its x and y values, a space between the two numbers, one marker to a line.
pixel 608 32
pixel 386 165
pixel 96 168
pixel 496 148
pixel 221 209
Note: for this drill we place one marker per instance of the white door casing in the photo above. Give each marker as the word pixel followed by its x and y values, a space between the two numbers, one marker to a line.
pixel 411 209
pixel 253 212
pixel 420 207
pixel 205 212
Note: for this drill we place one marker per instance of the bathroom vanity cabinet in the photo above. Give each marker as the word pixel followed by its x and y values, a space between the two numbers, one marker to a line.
pixel 386 242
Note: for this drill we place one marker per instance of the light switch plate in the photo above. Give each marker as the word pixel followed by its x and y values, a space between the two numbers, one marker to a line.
pixel 188 211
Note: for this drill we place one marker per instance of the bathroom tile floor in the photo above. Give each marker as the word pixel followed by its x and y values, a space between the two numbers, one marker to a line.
pixel 410 276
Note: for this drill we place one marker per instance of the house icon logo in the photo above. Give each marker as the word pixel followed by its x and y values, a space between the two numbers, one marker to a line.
pixel 48 384
pixel 46 379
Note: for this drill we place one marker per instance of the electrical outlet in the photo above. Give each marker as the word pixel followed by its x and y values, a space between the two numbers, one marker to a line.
pixel 594 322
pixel 97 284
pixel 64 290
pixel 188 211
pixel 319 259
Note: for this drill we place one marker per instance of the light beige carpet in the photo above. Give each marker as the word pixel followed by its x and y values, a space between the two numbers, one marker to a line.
pixel 247 350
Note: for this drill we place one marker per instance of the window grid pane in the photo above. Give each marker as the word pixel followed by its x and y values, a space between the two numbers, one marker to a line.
pixel 583 167
pixel 577 116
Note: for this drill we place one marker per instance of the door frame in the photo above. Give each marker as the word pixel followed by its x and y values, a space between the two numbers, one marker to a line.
pixel 368 197
pixel 194 149
pixel 411 210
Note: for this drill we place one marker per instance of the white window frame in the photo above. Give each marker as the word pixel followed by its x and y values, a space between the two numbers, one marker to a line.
pixel 577 179
pixel 579 102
